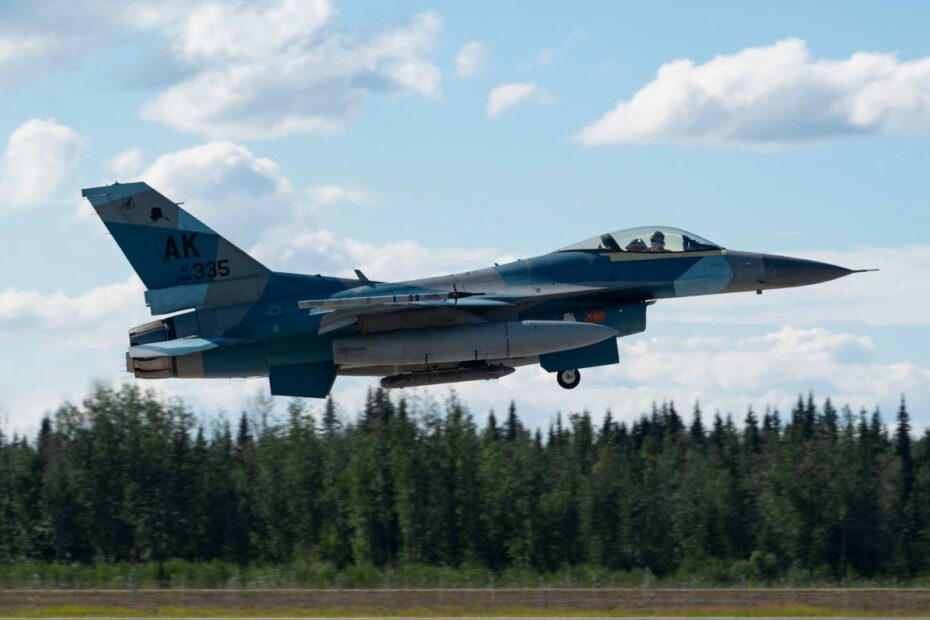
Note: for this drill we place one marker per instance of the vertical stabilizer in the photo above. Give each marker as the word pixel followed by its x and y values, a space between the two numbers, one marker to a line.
pixel 166 245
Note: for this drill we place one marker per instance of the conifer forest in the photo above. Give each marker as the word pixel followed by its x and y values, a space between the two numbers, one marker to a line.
pixel 130 483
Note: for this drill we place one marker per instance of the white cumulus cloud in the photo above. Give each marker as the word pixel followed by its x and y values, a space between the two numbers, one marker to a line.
pixel 18 51
pixel 308 247
pixel 38 38
pixel 60 310
pixel 471 58
pixel 242 195
pixel 769 96
pixel 259 69
pixel 325 195
pixel 39 156
pixel 225 184
pixel 278 68
pixel 509 96
pixel 220 32
pixel 126 164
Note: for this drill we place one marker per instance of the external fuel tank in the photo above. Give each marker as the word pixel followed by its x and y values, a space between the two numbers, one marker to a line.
pixel 468 343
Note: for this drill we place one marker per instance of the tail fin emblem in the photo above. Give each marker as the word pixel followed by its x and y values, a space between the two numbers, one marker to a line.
pixel 156 215
pixel 129 203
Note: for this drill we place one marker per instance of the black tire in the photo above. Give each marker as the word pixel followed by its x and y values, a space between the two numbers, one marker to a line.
pixel 568 379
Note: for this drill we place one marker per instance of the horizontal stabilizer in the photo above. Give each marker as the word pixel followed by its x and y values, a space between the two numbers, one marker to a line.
pixel 174 348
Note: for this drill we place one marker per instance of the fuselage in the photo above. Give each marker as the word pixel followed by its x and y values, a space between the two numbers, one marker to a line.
pixel 612 289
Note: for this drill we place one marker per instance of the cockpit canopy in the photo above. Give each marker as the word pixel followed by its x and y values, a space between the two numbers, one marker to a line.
pixel 645 239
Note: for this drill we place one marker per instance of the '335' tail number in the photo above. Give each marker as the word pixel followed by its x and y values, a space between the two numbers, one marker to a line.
pixel 208 270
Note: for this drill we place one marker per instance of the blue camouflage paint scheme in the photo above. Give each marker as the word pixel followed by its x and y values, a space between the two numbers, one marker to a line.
pixel 236 318
pixel 708 275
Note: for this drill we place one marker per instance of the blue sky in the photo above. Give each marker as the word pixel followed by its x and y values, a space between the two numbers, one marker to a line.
pixel 415 138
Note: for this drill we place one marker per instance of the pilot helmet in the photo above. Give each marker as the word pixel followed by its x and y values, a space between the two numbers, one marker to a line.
pixel 657 236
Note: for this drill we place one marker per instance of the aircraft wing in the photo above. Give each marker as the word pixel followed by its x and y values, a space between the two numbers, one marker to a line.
pixel 464 299
pixel 345 311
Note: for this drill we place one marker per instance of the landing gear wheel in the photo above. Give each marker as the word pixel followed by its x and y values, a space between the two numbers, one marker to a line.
pixel 569 379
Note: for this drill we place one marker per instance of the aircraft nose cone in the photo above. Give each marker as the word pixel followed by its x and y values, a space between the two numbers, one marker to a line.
pixel 782 271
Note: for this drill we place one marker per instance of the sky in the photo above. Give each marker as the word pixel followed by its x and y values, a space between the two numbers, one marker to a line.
pixel 416 138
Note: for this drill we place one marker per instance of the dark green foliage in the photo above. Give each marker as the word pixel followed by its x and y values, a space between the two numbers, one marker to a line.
pixel 128 480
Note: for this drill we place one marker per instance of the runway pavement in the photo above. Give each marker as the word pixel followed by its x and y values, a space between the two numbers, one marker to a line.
pixel 482 617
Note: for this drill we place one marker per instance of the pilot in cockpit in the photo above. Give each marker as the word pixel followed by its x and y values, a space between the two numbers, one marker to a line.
pixel 637 245
pixel 658 242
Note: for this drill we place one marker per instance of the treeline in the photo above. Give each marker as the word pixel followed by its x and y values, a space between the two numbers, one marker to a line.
pixel 130 480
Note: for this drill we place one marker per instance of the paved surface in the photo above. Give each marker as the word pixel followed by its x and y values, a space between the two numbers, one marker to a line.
pixel 397 604
pixel 494 618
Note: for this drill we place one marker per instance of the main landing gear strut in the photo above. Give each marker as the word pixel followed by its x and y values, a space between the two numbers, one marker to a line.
pixel 569 379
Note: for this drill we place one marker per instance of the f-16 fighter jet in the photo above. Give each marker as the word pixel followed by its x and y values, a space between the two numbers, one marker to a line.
pixel 563 310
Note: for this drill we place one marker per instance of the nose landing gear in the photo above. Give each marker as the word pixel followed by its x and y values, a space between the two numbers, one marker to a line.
pixel 569 379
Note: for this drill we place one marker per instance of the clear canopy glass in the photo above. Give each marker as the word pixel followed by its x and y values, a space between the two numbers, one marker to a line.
pixel 645 239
